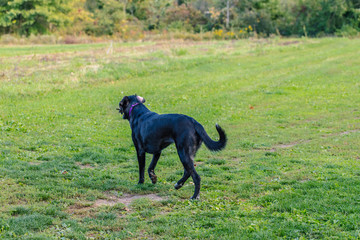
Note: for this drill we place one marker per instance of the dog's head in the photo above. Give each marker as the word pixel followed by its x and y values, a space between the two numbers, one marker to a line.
pixel 126 103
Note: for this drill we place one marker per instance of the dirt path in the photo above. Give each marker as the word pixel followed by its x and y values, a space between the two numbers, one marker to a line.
pixel 292 144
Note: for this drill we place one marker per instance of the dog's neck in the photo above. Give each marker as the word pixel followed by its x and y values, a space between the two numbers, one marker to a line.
pixel 136 112
pixel 131 108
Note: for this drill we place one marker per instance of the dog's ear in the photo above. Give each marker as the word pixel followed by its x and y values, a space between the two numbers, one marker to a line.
pixel 141 99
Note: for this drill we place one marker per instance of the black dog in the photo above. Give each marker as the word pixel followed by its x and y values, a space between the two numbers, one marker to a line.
pixel 152 132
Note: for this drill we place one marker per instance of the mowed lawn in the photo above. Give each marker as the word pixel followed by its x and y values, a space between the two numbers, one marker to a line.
pixel 290 108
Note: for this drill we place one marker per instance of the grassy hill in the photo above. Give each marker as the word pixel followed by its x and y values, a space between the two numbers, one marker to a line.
pixel 290 108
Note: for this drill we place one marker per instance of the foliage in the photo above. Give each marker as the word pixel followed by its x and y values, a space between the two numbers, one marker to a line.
pixel 109 18
pixel 27 17
pixel 80 18
pixel 320 17
pixel 185 14
pixel 347 31
pixel 124 18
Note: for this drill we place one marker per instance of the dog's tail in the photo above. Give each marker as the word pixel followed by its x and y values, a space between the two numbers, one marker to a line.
pixel 209 143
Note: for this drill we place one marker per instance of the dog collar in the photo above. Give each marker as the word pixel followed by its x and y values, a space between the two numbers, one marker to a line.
pixel 131 108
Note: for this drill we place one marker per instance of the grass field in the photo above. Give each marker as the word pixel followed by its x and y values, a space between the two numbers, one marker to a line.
pixel 290 107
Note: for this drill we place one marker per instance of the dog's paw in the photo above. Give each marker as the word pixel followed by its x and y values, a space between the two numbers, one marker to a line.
pixel 195 198
pixel 141 181
pixel 178 186
pixel 153 177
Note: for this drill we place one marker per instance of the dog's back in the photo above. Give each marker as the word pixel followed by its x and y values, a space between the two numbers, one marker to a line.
pixel 181 129
pixel 158 131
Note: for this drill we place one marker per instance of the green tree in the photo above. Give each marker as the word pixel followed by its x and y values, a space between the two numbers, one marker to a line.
pixel 184 15
pixel 156 13
pixel 109 17
pixel 323 16
pixel 139 9
pixel 123 17
pixel 25 17
pixel 79 18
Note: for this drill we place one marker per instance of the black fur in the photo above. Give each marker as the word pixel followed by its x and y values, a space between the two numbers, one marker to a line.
pixel 151 133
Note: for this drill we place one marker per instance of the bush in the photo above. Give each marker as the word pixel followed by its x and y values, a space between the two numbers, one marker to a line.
pixel 185 14
pixel 347 31
pixel 179 26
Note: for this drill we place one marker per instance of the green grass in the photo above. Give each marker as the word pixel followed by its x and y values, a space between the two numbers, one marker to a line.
pixel 290 109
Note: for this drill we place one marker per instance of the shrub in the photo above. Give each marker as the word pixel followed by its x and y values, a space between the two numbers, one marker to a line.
pixel 347 31
pixel 180 26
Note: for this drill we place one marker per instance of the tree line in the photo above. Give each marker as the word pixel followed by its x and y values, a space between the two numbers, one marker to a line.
pixel 119 17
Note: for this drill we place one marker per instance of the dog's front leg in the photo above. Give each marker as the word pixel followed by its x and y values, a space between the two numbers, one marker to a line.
pixel 152 166
pixel 141 161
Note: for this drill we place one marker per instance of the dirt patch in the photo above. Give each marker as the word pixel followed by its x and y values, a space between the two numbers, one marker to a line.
pixel 289 43
pixel 89 209
pixel 34 163
pixel 90 68
pixel 342 133
pixel 198 163
pixel 81 210
pixel 289 145
pixel 126 199
pixel 86 166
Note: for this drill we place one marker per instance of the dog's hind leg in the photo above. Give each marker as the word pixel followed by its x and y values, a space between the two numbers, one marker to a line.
pixel 181 182
pixel 192 154
pixel 152 166
pixel 188 164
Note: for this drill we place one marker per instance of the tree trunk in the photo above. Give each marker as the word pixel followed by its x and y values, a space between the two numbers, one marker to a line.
pixel 227 14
